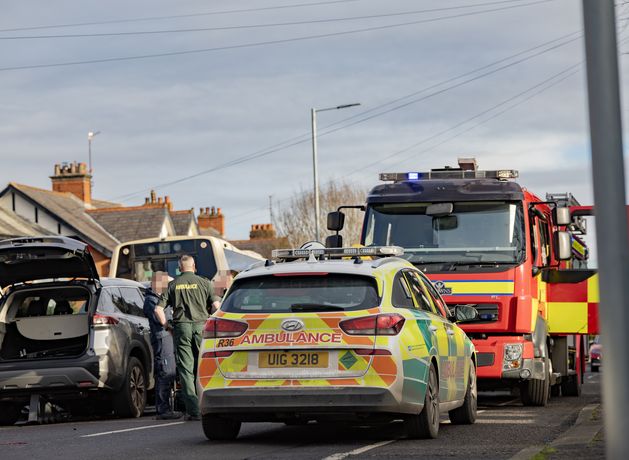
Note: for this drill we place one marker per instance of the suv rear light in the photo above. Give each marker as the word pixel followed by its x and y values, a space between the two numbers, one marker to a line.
pixel 216 328
pixel 385 324
pixel 104 319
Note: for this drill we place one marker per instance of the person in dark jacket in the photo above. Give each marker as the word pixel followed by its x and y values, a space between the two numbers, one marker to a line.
pixel 163 348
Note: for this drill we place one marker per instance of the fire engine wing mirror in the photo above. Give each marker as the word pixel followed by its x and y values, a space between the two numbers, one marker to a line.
pixel 439 209
pixel 563 245
pixel 562 216
pixel 465 314
pixel 336 221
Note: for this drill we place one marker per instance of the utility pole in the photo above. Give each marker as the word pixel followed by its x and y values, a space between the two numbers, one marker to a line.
pixel 271 208
pixel 612 236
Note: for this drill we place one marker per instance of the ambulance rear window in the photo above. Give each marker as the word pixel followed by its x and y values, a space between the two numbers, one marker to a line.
pixel 282 294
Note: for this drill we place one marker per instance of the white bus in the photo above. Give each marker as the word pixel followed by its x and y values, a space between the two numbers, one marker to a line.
pixel 216 259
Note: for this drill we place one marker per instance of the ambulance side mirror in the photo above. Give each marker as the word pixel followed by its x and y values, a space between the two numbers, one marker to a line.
pixel 562 216
pixel 563 245
pixel 336 221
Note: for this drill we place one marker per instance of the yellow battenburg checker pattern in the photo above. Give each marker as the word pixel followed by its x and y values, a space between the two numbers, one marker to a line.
pixel 399 363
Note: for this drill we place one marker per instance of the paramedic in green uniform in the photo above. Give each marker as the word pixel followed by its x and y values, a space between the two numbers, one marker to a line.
pixel 192 299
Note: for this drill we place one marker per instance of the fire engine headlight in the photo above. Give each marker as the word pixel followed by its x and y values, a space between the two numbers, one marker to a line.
pixel 513 351
pixel 513 356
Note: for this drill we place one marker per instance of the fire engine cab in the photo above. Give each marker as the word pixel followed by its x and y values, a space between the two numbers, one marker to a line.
pixel 520 260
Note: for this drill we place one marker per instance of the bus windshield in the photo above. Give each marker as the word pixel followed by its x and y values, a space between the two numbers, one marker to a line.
pixel 138 261
pixel 474 232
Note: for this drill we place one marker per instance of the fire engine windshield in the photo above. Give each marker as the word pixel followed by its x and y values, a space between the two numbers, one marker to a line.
pixel 466 232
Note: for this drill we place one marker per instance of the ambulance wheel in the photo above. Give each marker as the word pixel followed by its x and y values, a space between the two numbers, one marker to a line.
pixel 426 424
pixel 9 413
pixel 466 414
pixel 571 386
pixel 536 392
pixel 218 428
pixel 130 400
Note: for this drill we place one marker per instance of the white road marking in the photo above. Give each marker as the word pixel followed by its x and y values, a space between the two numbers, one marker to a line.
pixel 131 429
pixel 360 450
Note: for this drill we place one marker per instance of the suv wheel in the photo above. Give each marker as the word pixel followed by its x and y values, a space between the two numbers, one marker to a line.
pixel 131 399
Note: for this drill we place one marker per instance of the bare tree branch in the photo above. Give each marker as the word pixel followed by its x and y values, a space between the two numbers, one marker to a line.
pixel 296 220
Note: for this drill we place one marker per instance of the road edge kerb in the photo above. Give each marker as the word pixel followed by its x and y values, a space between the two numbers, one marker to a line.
pixel 580 434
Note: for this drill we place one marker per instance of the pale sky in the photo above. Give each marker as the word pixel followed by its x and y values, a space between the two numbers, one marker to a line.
pixel 499 80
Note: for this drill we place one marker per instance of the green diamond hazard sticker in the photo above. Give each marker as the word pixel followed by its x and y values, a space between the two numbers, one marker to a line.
pixel 348 359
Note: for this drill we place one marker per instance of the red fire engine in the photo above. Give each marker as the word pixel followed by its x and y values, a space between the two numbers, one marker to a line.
pixel 520 260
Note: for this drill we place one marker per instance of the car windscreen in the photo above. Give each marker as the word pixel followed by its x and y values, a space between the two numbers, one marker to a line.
pixel 290 293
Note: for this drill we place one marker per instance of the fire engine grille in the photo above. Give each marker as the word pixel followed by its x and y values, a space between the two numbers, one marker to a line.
pixel 485 359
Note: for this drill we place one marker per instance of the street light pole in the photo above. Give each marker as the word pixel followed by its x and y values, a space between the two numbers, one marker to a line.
pixel 315 174
pixel 611 216
pixel 90 136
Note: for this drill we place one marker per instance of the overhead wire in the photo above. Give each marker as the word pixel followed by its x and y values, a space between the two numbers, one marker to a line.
pixel 258 26
pixel 179 16
pixel 301 139
pixel 267 42
pixel 534 91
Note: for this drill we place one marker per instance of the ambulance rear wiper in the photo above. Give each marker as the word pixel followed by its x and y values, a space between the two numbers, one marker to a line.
pixel 308 307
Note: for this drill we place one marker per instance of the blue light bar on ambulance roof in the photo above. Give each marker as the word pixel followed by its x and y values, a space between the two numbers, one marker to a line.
pixel 374 251
pixel 450 173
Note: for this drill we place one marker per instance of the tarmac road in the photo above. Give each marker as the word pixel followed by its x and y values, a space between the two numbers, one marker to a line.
pixel 504 428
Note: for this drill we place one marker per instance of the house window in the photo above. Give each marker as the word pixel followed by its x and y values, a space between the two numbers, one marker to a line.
pixel 13 201
pixel 36 215
pixel 59 229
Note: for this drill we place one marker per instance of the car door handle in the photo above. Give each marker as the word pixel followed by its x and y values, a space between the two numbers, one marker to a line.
pixel 449 332
pixel 432 328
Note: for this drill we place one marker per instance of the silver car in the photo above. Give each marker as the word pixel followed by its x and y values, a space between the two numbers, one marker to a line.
pixel 67 337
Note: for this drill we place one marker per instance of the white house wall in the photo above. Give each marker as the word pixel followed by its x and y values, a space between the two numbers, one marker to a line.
pixel 26 209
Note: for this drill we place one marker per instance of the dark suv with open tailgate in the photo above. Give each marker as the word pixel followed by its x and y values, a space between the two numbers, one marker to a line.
pixel 67 337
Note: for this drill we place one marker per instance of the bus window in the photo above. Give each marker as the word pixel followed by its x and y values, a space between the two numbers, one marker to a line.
pixel 138 261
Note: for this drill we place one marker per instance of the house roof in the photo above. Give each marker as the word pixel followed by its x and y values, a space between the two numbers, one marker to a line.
pixel 182 221
pixel 136 223
pixel 71 211
pixel 12 225
pixel 104 204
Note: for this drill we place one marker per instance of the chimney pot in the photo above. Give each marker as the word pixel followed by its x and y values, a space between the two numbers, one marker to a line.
pixel 159 200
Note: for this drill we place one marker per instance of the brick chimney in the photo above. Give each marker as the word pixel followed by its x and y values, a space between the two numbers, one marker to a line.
pixel 262 231
pixel 211 218
pixel 153 201
pixel 73 178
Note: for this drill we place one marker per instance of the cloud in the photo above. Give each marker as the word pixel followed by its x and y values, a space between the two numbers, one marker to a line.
pixel 163 119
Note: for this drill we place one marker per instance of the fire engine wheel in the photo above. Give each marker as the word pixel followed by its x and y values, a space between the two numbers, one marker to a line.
pixel 466 414
pixel 426 424
pixel 536 392
pixel 218 428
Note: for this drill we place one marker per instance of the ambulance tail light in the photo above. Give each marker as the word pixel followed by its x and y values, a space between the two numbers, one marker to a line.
pixel 218 328
pixel 385 324
pixel 217 354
